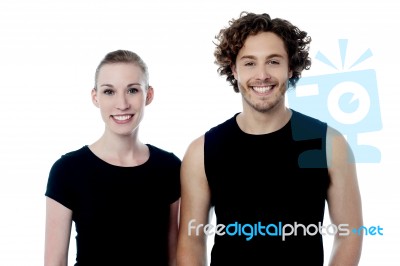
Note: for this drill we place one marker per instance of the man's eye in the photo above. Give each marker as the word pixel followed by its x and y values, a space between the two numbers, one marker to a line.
pixel 273 62
pixel 249 64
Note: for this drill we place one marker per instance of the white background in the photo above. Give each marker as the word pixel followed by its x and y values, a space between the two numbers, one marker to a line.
pixel 48 54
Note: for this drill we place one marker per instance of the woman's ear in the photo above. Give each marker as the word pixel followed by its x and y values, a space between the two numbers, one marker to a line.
pixel 149 95
pixel 94 97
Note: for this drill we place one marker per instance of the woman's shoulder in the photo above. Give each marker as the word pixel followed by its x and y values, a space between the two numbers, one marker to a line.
pixel 76 154
pixel 162 155
pixel 74 157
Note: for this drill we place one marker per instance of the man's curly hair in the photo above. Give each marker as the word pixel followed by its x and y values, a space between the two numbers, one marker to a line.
pixel 230 40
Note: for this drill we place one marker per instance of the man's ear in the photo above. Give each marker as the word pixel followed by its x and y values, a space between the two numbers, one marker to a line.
pixel 233 68
pixel 94 97
pixel 149 95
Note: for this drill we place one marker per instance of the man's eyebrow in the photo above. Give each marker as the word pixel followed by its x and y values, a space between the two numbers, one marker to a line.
pixel 247 57
pixel 254 58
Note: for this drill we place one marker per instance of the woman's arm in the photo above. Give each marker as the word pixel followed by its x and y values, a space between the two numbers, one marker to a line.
pixel 57 233
pixel 173 232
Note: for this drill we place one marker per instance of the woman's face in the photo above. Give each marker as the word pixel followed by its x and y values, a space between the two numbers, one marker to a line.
pixel 121 95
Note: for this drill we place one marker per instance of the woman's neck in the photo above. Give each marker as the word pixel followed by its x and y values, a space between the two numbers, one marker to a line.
pixel 120 150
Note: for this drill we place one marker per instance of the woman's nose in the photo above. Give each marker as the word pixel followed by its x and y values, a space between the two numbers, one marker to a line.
pixel 122 103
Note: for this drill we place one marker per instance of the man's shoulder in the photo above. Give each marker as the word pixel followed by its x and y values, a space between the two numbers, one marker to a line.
pixel 299 116
pixel 305 126
pixel 225 125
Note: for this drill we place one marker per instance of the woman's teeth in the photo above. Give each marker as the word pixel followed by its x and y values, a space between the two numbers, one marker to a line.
pixel 122 117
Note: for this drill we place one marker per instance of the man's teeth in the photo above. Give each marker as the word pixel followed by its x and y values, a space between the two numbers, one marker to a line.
pixel 122 117
pixel 262 89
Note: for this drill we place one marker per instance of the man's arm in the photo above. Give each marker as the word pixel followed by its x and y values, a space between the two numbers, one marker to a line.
pixel 344 200
pixel 195 207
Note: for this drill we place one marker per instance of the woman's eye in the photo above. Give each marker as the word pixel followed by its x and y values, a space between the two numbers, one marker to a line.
pixel 133 90
pixel 108 92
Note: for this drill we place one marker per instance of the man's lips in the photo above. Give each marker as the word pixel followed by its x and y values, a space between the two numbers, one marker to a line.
pixel 262 89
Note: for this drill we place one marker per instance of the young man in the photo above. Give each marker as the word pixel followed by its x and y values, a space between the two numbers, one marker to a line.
pixel 268 170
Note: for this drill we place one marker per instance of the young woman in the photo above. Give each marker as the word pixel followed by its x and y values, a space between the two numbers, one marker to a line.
pixel 122 194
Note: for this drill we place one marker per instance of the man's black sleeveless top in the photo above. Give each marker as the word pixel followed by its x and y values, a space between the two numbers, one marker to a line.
pixel 264 184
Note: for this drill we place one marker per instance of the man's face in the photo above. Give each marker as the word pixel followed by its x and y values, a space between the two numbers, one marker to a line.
pixel 262 71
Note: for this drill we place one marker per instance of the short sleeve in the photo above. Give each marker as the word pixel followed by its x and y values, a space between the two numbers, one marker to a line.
pixel 58 184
